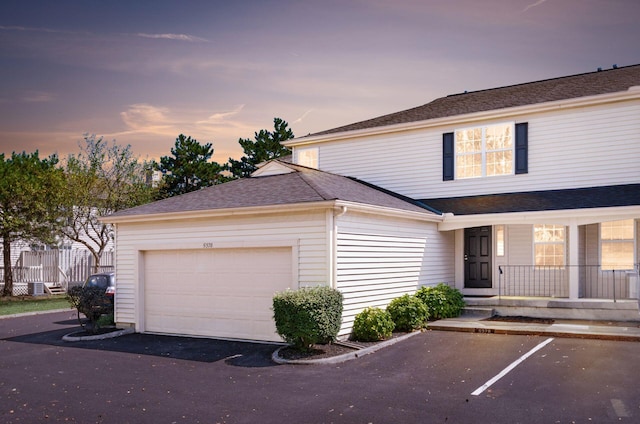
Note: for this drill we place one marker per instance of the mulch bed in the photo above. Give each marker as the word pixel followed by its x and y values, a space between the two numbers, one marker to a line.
pixel 330 349
pixel 527 320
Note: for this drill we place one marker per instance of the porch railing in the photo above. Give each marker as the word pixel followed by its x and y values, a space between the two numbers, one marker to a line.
pixel 553 281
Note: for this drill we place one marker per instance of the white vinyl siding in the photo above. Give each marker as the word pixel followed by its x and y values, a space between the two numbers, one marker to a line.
pixel 569 148
pixel 379 259
pixel 307 230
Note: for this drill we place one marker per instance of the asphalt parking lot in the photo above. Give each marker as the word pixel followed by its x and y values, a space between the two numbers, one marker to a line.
pixel 435 377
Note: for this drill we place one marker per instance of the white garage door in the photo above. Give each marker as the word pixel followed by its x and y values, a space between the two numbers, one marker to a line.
pixel 215 292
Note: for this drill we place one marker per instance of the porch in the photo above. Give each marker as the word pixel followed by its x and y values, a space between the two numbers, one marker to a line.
pixel 545 292
pixel 53 271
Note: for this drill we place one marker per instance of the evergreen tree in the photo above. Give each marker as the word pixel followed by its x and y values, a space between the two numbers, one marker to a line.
pixel 265 147
pixel 189 168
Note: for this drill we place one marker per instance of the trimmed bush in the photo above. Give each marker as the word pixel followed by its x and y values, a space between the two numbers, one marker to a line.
pixel 373 324
pixel 442 301
pixel 408 313
pixel 308 316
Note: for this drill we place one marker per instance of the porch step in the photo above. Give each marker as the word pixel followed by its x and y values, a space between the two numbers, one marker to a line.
pixel 478 312
pixel 555 308
pixel 55 289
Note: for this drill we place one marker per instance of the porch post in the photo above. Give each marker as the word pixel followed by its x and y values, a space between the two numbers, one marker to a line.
pixel 574 272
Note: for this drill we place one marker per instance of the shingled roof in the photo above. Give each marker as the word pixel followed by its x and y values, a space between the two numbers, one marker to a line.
pixel 569 87
pixel 579 198
pixel 300 185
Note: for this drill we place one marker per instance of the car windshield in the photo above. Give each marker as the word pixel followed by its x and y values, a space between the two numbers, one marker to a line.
pixel 101 281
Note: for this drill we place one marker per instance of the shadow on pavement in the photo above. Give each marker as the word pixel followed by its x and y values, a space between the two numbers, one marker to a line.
pixel 236 353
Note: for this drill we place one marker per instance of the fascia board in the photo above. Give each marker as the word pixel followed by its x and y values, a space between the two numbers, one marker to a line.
pixel 390 212
pixel 633 93
pixel 295 207
pixel 567 216
pixel 212 213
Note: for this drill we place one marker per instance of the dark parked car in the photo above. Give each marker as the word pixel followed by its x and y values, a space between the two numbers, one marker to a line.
pixel 104 280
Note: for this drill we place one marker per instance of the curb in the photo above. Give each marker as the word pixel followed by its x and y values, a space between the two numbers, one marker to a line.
pixel 71 338
pixel 592 334
pixel 340 358
pixel 27 314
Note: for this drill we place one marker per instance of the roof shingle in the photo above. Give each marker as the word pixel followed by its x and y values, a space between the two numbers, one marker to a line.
pixel 563 88
pixel 578 198
pixel 304 185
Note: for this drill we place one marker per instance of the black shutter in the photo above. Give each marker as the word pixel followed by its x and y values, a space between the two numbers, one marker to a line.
pixel 447 156
pixel 522 148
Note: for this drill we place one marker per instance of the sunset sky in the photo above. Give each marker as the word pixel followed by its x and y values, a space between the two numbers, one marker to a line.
pixel 142 72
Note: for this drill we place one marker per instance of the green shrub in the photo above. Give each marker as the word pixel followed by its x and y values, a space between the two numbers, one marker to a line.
pixel 373 324
pixel 92 302
pixel 442 301
pixel 308 316
pixel 408 313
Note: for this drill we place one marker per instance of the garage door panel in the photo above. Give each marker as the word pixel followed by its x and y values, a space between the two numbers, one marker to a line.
pixel 215 292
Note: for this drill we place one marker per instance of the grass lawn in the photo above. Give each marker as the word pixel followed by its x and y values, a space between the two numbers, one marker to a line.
pixel 21 304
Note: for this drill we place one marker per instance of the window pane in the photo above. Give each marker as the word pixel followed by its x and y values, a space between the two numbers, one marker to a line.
pixel 500 163
pixel 499 137
pixel 469 166
pixel 617 230
pixel 500 240
pixel 617 255
pixel 548 233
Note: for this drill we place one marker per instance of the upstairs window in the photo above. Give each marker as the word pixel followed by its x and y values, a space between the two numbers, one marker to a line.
pixel 500 149
pixel 484 151
pixel 549 245
pixel 616 244
pixel 308 157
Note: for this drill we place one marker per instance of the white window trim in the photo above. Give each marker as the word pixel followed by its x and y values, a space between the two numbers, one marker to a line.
pixel 535 243
pixel 632 240
pixel 483 151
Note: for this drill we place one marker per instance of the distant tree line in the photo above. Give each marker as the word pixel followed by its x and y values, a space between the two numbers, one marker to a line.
pixel 46 200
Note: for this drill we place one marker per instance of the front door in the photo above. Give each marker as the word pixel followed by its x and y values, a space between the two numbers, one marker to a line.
pixel 477 258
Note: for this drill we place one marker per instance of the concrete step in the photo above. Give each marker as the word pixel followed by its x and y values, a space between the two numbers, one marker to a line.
pixel 478 312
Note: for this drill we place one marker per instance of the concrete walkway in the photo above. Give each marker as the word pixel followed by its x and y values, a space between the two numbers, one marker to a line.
pixel 604 330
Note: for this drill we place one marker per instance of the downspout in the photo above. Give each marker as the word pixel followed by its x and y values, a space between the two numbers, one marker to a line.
pixel 333 255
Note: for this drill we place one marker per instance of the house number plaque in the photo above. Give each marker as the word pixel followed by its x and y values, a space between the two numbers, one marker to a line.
pixel 207 245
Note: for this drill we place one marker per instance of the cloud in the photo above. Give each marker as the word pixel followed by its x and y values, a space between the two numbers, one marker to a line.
pixel 178 37
pixel 304 115
pixel 37 97
pixel 532 5
pixel 143 117
pixel 31 29
pixel 222 115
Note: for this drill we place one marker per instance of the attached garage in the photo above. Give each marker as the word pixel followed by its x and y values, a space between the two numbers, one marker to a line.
pixel 208 263
pixel 222 293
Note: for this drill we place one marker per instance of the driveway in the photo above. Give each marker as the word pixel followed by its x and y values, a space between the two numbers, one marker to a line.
pixel 427 378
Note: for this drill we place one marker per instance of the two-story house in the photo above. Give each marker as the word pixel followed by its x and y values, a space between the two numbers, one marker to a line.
pixel 531 190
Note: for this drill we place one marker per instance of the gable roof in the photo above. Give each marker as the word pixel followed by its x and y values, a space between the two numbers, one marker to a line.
pixel 579 198
pixel 563 88
pixel 298 185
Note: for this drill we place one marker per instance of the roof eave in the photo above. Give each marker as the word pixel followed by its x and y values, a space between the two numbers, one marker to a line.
pixel 564 216
pixel 272 209
pixel 631 94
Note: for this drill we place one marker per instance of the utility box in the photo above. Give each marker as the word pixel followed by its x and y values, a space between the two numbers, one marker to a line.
pixel 35 288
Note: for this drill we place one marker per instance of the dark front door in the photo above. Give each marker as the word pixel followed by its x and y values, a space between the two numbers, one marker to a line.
pixel 477 258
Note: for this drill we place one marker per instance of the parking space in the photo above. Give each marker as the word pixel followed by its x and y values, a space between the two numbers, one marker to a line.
pixel 427 378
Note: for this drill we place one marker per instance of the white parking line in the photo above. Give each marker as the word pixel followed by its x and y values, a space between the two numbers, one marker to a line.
pixel 505 371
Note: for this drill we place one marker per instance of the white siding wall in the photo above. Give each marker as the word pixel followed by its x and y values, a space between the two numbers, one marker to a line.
pixel 379 259
pixel 569 148
pixel 309 229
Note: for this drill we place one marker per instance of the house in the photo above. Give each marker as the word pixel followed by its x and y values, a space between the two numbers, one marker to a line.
pixel 530 190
